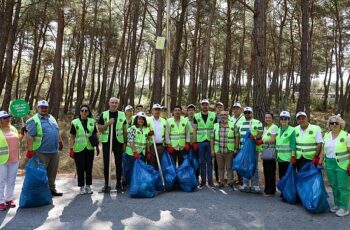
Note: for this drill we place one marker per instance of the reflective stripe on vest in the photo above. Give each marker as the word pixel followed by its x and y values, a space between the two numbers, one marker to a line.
pixel 204 129
pixel 284 152
pixel 118 128
pixel 306 145
pixel 81 140
pixel 342 155
pixel 140 141
pixel 177 134
pixel 254 126
pixel 230 137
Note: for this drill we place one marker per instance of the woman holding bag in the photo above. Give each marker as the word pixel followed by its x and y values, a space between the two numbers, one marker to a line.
pixel 269 163
pixel 336 158
pixel 9 160
pixel 81 149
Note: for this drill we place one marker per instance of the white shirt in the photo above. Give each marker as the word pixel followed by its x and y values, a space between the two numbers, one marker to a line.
pixel 330 145
pixel 158 137
pixel 319 138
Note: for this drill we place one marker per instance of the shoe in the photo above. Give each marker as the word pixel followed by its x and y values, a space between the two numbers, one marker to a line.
pixel 82 190
pixel 256 189
pixel 200 186
pixel 244 188
pixel 334 209
pixel 268 195
pixel 10 204
pixel 124 184
pixel 211 185
pixel 55 193
pixel 2 207
pixel 221 185
pixel 120 188
pixel 88 189
pixel 106 189
pixel 342 212
pixel 230 185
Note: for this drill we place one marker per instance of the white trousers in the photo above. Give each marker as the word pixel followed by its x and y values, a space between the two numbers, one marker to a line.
pixel 8 173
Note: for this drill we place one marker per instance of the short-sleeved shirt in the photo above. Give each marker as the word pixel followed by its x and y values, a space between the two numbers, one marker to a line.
pixel 330 144
pixel 50 136
pixel 102 122
pixel 319 138
pixel 73 131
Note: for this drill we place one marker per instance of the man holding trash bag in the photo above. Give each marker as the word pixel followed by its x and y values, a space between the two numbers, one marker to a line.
pixel 116 120
pixel 177 135
pixel 44 140
pixel 256 129
pixel 308 142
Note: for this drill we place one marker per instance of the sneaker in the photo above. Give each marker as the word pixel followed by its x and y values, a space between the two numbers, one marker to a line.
pixel 342 212
pixel 120 188
pixel 106 189
pixel 10 204
pixel 82 190
pixel 88 189
pixel 2 207
pixel 334 209
pixel 244 188
pixel 256 189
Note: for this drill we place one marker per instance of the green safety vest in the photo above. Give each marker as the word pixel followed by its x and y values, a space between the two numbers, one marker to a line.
pixel 230 137
pixel 177 134
pixel 140 141
pixel 306 145
pixel 284 152
pixel 118 128
pixel 39 130
pixel 204 129
pixel 342 155
pixel 4 148
pixel 191 129
pixel 266 137
pixel 254 126
pixel 150 124
pixel 81 140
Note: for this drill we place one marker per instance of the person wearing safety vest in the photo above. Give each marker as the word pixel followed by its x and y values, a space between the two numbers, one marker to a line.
pixel 116 120
pixel 309 142
pixel 191 110
pixel 285 143
pixel 44 140
pixel 158 125
pixel 222 147
pixel 129 116
pixel 177 135
pixel 81 149
pixel 336 158
pixel 204 122
pixel 9 160
pixel 256 129
pixel 269 166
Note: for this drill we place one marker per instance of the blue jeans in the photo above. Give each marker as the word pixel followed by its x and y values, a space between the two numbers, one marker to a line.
pixel 205 162
pixel 255 179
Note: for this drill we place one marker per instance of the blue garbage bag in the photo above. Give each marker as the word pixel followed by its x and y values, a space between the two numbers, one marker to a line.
pixel 186 177
pixel 245 161
pixel 35 189
pixel 287 185
pixel 311 189
pixel 169 171
pixel 145 181
pixel 193 160
pixel 128 164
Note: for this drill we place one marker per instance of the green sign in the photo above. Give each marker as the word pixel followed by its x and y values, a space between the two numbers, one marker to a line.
pixel 19 108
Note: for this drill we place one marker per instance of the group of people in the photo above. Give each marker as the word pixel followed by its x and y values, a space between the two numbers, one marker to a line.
pixel 214 137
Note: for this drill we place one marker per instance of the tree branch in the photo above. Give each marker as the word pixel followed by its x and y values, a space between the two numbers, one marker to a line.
pixel 247 6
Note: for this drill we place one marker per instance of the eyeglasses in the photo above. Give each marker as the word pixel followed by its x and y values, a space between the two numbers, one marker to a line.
pixel 84 110
pixel 247 112
pixel 43 107
pixel 284 118
pixel 333 123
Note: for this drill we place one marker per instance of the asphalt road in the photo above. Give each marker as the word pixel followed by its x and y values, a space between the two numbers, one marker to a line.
pixel 204 209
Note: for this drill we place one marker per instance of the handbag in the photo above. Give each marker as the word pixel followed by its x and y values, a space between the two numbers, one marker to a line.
pixel 268 153
pixel 94 140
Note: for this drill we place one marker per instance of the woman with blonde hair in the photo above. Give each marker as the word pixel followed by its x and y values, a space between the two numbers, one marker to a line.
pixel 336 158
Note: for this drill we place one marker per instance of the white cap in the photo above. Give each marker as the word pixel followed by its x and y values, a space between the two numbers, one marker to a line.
pixel 4 115
pixel 284 114
pixel 141 114
pixel 205 101
pixel 219 103
pixel 191 106
pixel 301 114
pixel 128 107
pixel 43 103
pixel 248 109
pixel 237 104
pixel 156 106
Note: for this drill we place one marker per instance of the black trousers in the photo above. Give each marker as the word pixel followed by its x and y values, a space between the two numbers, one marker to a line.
pixel 178 156
pixel 83 163
pixel 282 169
pixel 216 170
pixel 301 162
pixel 117 150
pixel 270 176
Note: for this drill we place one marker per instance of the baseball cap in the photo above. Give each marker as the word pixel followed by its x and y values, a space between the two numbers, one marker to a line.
pixel 141 114
pixel 139 105
pixel 191 106
pixel 156 106
pixel 4 115
pixel 301 114
pixel 284 114
pixel 205 101
pixel 128 107
pixel 237 104
pixel 248 109
pixel 219 103
pixel 43 103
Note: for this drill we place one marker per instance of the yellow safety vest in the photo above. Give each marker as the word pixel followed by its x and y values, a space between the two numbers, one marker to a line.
pixel 342 155
pixel 118 128
pixel 81 140
pixel 230 137
pixel 4 148
pixel 306 145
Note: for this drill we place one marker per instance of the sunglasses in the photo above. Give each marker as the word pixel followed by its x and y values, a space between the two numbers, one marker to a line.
pixel 247 112
pixel 43 107
pixel 284 118
pixel 84 110
pixel 333 123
